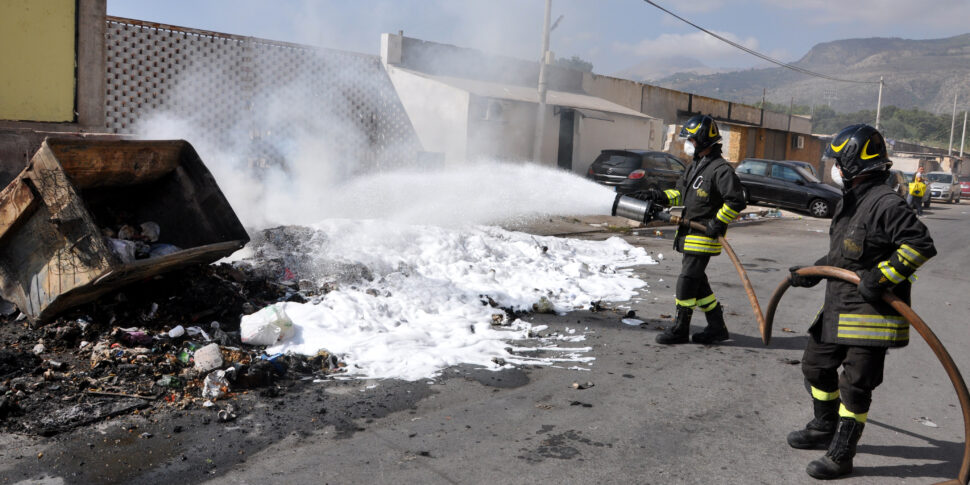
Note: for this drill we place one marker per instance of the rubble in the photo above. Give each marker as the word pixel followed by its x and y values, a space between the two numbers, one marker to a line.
pixel 145 348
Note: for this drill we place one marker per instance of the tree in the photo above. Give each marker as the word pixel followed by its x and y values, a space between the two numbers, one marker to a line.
pixel 575 62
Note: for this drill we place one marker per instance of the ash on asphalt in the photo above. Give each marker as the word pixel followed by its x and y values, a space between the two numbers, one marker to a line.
pixel 191 445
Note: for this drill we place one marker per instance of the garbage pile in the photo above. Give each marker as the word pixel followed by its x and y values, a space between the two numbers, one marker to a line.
pixel 131 242
pixel 172 341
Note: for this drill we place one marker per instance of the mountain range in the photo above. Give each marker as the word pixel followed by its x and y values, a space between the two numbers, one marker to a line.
pixel 923 74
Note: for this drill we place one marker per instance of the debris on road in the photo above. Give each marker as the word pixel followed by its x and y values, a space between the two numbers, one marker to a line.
pixel 582 385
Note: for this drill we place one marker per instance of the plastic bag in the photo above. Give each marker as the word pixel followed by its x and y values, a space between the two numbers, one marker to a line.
pixel 266 326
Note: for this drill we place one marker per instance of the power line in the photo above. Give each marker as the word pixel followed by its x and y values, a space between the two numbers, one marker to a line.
pixel 756 53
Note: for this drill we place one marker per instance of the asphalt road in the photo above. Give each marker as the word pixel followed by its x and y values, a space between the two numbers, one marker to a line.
pixel 656 414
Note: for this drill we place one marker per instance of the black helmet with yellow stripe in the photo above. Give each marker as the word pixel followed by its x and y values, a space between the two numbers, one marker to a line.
pixel 858 149
pixel 702 129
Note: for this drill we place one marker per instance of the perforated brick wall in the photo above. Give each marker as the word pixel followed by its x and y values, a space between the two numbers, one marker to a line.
pixel 252 92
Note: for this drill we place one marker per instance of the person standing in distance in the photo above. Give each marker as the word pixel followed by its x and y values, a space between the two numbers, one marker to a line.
pixel 711 194
pixel 875 234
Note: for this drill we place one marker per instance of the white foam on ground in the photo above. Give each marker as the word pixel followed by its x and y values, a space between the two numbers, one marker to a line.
pixel 428 313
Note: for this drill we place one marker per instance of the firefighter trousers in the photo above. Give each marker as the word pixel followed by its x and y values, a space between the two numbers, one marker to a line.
pixel 693 289
pixel 862 369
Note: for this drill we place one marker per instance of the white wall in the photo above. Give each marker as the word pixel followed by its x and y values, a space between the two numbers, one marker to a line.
pixel 438 112
pixel 595 135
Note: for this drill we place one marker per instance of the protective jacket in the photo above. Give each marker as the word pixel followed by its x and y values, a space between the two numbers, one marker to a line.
pixel 708 188
pixel 872 230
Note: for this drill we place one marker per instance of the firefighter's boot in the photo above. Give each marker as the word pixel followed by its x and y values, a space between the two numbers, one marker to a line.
pixel 818 433
pixel 837 462
pixel 680 332
pixel 715 331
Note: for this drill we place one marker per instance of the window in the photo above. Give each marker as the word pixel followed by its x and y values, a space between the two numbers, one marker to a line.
pixel 657 162
pixel 785 173
pixel 754 168
pixel 676 165
pixel 943 178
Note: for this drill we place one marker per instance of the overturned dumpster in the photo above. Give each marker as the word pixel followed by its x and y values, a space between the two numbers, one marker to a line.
pixel 59 245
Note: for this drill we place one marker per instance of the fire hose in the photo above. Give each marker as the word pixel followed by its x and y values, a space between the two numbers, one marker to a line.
pixel 646 211
pixel 924 330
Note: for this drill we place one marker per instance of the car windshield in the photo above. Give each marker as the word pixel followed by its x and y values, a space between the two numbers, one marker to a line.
pixel 940 178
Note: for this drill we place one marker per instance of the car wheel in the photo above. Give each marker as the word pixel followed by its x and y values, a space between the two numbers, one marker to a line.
pixel 819 208
pixel 744 195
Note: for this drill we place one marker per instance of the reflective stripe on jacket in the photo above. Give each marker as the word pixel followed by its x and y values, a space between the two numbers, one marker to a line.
pixel 708 189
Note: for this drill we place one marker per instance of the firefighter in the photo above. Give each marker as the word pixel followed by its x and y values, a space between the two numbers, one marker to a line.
pixel 876 235
pixel 711 194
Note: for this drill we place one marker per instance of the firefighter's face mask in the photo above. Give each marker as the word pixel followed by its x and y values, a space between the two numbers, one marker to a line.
pixel 689 147
pixel 837 176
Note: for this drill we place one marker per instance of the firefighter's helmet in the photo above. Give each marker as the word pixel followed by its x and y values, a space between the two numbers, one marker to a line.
pixel 858 149
pixel 702 129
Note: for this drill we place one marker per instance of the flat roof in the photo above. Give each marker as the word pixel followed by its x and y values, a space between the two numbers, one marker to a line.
pixel 528 94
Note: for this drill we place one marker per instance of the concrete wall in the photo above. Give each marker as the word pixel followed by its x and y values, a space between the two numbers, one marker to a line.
pixel 438 112
pixel 595 135
pixel 674 106
pixel 620 91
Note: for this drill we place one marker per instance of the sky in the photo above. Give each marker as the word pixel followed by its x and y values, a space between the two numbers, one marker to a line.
pixel 612 34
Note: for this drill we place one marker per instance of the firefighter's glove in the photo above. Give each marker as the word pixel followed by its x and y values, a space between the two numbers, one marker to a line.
pixel 649 194
pixel 872 284
pixel 801 281
pixel 715 228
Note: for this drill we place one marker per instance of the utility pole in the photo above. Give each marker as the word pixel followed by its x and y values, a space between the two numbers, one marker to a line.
pixel 953 124
pixel 543 61
pixel 964 137
pixel 879 102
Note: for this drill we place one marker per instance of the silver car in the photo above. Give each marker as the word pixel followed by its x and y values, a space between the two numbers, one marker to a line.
pixel 943 186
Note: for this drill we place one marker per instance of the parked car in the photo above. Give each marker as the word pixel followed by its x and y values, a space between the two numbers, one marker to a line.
pixel 632 170
pixel 786 184
pixel 964 186
pixel 897 181
pixel 943 186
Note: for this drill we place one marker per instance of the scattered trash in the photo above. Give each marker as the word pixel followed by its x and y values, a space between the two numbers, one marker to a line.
pixel 135 338
pixel 208 358
pixel 169 382
pixel 216 385
pixel 543 306
pixel 580 403
pixel 787 330
pixel 7 308
pixel 266 326
pixel 926 422
pixel 39 349
pixel 632 321
pixel 582 385
pixel 228 414
pixel 196 331
pixel 176 332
